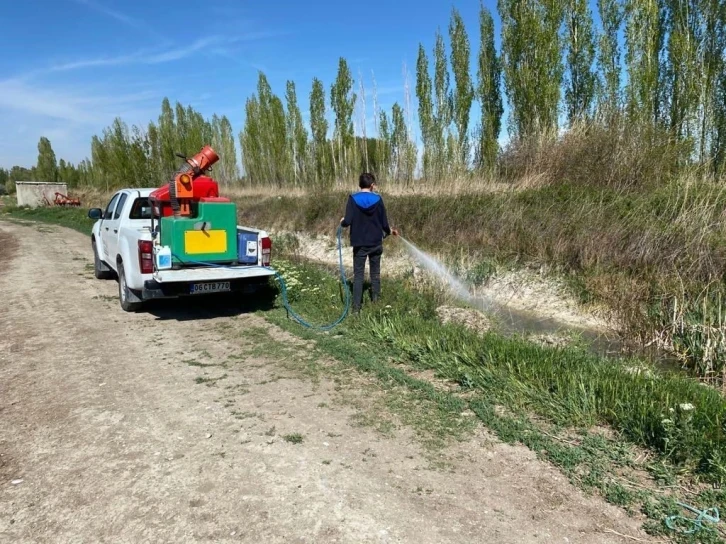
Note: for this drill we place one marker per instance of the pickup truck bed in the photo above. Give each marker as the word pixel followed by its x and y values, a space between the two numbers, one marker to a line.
pixel 123 229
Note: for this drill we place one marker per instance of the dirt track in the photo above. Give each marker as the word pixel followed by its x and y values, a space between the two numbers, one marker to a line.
pixel 119 433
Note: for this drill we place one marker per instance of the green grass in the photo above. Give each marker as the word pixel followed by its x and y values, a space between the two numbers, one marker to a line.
pixel 294 438
pixel 73 218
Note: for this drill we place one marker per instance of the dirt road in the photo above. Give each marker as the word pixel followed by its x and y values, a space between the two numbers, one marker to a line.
pixel 184 425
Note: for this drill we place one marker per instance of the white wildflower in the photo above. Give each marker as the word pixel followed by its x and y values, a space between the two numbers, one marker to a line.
pixel 686 407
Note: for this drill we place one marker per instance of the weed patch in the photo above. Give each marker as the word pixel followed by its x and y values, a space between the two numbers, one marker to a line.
pixel 294 438
pixel 209 381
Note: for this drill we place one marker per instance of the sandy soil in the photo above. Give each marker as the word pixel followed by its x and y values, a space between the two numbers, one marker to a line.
pixel 112 429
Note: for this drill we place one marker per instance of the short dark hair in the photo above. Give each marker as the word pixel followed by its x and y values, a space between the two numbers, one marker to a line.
pixel 366 180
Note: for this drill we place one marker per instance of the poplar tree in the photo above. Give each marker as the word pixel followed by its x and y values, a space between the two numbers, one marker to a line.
pixel 464 93
pixel 580 82
pixel 718 142
pixel 274 160
pixel 99 158
pixel 168 138
pixel 251 142
pixel 319 128
pixel 490 98
pixel 425 110
pixel 229 150
pixel 138 156
pixel 403 153
pixel 644 32
pixel 611 15
pixel 296 133
pixel 121 170
pixel 684 41
pixel 342 100
pixel 222 141
pixel 443 113
pixel 531 49
pixel 713 67
pixel 155 161
pixel 181 131
pixel 280 162
pixel 47 167
pixel 384 135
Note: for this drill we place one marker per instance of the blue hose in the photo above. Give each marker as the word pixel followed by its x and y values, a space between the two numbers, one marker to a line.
pixel 283 287
pixel 709 514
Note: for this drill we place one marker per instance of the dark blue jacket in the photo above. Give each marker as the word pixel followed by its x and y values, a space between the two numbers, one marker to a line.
pixel 365 214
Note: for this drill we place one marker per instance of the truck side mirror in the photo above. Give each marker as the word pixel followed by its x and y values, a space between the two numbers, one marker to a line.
pixel 95 213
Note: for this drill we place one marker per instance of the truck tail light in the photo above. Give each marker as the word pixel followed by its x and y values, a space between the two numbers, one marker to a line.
pixel 146 257
pixel 266 244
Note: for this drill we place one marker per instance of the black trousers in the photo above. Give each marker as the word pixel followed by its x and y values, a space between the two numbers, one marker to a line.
pixel 360 254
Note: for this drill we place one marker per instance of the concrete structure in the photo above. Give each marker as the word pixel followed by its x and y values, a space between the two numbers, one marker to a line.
pixel 30 193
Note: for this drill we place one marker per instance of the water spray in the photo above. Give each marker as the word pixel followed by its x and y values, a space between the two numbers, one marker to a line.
pixel 451 280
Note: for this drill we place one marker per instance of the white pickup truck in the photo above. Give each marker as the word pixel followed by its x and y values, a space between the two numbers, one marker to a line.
pixel 123 248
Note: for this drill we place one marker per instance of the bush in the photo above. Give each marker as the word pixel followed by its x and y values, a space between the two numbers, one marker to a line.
pixel 621 156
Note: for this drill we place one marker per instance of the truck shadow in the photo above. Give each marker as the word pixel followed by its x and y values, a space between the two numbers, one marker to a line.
pixel 208 306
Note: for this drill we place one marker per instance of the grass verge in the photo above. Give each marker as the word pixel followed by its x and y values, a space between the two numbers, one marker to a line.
pixel 73 218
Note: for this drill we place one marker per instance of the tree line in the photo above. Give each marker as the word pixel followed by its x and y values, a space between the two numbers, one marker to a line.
pixel 139 156
pixel 556 69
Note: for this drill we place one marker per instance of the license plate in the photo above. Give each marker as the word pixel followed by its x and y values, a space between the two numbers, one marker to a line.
pixel 212 287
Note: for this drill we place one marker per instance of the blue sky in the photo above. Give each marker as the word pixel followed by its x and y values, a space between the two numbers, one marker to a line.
pixel 70 66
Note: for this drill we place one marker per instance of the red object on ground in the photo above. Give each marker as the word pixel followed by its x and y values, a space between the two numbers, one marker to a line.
pixel 64 200
pixel 204 187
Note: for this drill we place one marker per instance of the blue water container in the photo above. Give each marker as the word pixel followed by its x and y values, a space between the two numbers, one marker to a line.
pixel 247 250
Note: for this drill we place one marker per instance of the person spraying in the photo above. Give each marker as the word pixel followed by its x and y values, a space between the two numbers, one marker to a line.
pixel 365 214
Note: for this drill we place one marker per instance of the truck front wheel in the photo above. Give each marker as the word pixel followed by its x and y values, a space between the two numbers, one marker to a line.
pixel 128 299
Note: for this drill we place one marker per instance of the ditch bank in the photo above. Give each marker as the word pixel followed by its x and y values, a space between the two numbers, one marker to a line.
pixel 525 301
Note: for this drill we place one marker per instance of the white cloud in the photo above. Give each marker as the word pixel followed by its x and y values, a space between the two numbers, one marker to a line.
pixel 122 18
pixel 180 53
pixel 67 116
pixel 142 57
pixel 385 91
pixel 130 21
pixel 17 96
pixel 57 103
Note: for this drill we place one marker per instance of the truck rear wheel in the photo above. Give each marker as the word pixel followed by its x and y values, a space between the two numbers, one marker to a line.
pixel 129 301
pixel 100 270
